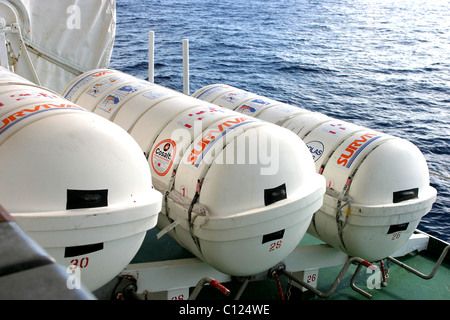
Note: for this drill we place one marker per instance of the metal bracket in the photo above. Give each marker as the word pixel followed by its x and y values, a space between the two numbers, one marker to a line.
pixel 210 281
pixel 418 273
pixel 11 37
pixel 336 282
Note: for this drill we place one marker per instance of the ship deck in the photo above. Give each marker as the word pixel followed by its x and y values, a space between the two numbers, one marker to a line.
pixel 166 271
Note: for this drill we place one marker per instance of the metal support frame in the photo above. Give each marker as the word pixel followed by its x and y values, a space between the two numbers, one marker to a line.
pixel 176 277
pixel 151 61
pixel 3 52
pixel 336 282
pixel 186 89
pixel 171 279
pixel 360 263
pixel 11 38
pixel 418 273
pixel 151 56
pixel 213 283
pixel 242 289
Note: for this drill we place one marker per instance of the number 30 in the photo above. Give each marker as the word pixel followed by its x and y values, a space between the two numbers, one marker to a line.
pixel 83 263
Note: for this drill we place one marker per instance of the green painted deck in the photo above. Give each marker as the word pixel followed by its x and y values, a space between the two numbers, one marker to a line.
pixel 401 284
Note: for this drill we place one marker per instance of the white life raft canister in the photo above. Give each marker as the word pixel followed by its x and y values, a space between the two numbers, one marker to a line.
pixel 239 193
pixel 76 183
pixel 377 185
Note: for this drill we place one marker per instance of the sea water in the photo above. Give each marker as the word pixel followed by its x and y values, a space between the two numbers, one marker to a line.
pixel 382 64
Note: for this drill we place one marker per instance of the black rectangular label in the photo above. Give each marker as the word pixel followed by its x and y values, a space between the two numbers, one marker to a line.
pixel 81 199
pixel 81 250
pixel 404 195
pixel 273 236
pixel 275 194
pixel 398 227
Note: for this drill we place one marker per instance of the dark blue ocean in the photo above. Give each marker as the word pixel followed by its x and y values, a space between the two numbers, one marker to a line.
pixel 382 64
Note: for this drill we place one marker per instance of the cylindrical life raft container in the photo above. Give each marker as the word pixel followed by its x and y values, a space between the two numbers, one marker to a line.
pixel 76 183
pixel 377 185
pixel 239 193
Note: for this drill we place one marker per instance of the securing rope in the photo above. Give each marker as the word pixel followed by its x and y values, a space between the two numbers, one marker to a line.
pixel 439 175
pixel 343 197
pixel 280 289
pixel 169 188
pixel 190 220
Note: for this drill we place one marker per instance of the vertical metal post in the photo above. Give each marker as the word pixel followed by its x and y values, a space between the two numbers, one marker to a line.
pixel 151 56
pixel 186 66
pixel 3 52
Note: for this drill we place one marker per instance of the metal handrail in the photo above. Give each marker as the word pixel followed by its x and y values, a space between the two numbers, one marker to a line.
pixel 210 281
pixel 418 273
pixel 360 262
pixel 353 285
pixel 336 282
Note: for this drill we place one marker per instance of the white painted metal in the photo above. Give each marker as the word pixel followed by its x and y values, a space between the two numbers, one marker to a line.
pixel 151 56
pixel 186 66
pixel 172 279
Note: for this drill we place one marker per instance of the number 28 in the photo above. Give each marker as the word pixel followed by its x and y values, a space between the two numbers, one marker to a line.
pixel 275 245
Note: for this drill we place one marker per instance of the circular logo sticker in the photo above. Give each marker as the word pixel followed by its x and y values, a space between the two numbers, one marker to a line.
pixel 316 148
pixel 162 156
